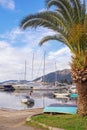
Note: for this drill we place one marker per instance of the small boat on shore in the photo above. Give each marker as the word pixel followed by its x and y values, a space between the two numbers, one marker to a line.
pixel 66 108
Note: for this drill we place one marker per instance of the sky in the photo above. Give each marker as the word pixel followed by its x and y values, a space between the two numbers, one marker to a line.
pixel 18 47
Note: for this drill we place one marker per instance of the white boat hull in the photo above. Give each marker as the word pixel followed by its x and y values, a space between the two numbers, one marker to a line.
pixel 25 100
pixel 61 95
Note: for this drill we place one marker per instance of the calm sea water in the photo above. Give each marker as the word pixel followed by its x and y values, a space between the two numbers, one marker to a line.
pixel 13 100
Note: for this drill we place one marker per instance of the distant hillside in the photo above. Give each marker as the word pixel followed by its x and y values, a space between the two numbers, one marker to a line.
pixel 62 76
pixel 14 82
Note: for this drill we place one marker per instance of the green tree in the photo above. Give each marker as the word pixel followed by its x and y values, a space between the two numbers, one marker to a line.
pixel 68 19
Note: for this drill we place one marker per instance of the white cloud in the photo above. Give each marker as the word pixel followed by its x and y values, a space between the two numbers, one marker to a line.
pixel 42 10
pixel 13 55
pixel 62 52
pixel 62 57
pixel 12 61
pixel 31 37
pixel 10 4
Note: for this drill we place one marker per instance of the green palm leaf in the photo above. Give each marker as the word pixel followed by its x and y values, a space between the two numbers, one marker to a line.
pixel 68 19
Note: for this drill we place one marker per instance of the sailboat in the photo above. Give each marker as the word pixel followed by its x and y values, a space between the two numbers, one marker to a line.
pixel 22 85
pixel 57 84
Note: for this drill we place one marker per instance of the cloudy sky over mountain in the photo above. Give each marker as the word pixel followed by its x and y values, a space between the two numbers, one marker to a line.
pixel 18 46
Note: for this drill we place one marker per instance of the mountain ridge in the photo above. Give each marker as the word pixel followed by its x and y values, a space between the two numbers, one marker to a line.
pixel 60 76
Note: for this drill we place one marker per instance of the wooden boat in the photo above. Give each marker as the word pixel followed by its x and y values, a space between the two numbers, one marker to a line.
pixel 61 108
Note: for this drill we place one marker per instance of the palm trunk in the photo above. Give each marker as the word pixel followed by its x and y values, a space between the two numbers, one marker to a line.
pixel 82 98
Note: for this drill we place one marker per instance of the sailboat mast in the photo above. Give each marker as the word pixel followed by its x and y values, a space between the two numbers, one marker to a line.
pixel 32 66
pixel 25 72
pixel 55 74
pixel 44 69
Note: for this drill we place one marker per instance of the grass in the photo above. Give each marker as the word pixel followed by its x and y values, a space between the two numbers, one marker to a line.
pixel 67 122
pixel 36 125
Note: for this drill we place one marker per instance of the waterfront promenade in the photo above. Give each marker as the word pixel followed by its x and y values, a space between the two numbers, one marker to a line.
pixel 15 119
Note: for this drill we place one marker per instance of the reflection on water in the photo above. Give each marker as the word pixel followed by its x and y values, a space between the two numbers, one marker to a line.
pixel 12 100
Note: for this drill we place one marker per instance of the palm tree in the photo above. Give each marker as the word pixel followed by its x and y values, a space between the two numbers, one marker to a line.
pixel 68 19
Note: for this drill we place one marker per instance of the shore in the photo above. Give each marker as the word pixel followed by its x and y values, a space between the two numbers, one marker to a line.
pixel 15 119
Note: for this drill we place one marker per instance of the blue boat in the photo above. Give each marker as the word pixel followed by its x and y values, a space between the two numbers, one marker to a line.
pixel 61 108
pixel 73 95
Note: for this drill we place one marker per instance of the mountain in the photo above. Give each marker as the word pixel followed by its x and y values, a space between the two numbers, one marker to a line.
pixel 15 82
pixel 62 76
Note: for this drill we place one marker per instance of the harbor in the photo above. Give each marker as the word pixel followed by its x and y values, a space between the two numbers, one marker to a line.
pixel 42 98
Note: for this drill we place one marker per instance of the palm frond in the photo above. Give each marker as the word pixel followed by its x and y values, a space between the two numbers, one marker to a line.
pixel 76 4
pixel 64 6
pixel 39 19
pixel 53 37
pixel 48 19
pixel 83 11
pixel 68 19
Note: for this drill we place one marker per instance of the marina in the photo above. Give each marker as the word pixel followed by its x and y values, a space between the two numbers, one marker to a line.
pixel 12 100
pixel 42 98
pixel 43 65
